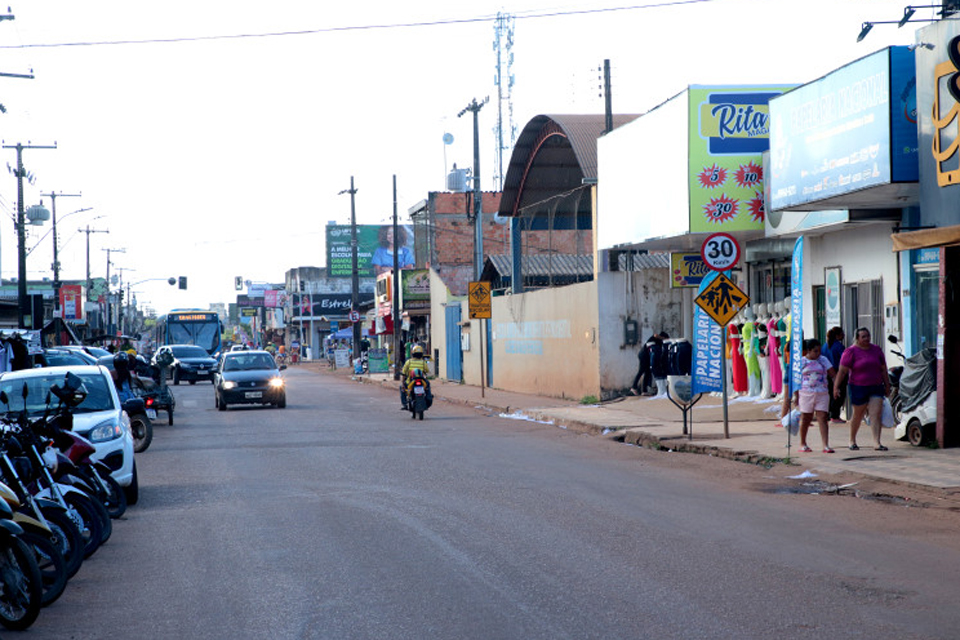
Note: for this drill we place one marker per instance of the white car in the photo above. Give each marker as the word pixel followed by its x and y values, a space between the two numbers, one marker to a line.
pixel 99 418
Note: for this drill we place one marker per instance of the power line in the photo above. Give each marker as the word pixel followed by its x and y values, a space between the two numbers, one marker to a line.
pixel 369 27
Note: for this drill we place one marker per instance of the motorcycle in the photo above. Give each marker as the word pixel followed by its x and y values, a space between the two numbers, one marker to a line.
pixel 140 426
pixel 20 582
pixel 419 396
pixel 918 396
pixel 895 373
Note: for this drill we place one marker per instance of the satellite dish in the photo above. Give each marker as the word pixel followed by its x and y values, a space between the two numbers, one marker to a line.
pixel 448 138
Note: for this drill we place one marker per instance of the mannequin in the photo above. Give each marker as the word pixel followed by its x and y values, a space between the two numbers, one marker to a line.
pixel 738 364
pixel 750 347
pixel 773 353
pixel 783 326
pixel 762 333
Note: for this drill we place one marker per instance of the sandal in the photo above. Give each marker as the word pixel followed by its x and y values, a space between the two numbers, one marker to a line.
pixel 828 450
pixel 882 448
pixel 854 447
pixel 805 449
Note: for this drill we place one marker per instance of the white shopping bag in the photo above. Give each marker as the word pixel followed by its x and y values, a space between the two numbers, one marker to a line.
pixel 791 421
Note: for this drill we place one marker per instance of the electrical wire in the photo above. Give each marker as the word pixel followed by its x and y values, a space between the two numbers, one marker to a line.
pixel 369 27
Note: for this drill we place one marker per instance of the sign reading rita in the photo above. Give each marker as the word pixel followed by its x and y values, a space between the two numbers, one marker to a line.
pixel 729 130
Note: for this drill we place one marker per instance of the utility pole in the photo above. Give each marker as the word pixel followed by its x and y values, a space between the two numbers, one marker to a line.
pixel 23 304
pixel 88 231
pixel 109 312
pixel 474 107
pixel 355 300
pixel 56 262
pixel 396 288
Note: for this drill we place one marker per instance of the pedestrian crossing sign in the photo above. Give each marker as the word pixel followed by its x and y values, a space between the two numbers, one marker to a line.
pixel 722 299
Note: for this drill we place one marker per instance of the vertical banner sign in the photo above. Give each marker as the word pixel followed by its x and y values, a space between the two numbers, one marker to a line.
pixel 796 315
pixel 707 370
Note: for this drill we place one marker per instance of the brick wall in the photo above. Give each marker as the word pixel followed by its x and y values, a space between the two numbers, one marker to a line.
pixel 454 234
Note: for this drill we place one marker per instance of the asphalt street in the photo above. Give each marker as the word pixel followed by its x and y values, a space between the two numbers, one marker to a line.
pixel 340 517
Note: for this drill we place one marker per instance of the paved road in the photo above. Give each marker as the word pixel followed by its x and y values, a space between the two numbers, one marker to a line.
pixel 339 517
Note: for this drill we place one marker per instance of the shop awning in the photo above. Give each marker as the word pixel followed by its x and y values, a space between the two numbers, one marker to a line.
pixel 924 238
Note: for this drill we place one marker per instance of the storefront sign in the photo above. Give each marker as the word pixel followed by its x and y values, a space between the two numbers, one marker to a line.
pixel 832 284
pixel 377 361
pixel 687 270
pixel 729 130
pixel 850 130
pixel 415 288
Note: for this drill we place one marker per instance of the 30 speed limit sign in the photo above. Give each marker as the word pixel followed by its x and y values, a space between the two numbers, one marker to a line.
pixel 720 251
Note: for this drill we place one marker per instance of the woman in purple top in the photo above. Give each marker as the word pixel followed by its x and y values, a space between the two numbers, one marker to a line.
pixel 869 384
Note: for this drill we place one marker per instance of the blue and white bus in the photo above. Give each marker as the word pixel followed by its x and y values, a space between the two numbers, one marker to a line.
pixel 189 326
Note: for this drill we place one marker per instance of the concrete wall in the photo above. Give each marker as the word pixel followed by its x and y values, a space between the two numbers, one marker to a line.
pixel 864 252
pixel 644 296
pixel 439 298
pixel 544 342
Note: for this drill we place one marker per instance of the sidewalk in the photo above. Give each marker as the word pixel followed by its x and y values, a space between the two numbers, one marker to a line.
pixel 754 428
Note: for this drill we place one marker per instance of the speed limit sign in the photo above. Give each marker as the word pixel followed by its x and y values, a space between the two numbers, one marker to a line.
pixel 720 251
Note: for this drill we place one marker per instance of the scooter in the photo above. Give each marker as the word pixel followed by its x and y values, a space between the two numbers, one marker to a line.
pixel 918 396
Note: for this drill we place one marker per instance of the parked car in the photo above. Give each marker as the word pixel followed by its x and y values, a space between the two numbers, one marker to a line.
pixel 61 357
pixel 187 362
pixel 249 377
pixel 96 352
pixel 99 418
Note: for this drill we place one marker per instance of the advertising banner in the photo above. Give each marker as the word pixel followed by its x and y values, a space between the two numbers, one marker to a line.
pixel 708 345
pixel 796 315
pixel 687 270
pixel 377 361
pixel 374 249
pixel 415 288
pixel 852 129
pixel 273 298
pixel 729 130
pixel 71 302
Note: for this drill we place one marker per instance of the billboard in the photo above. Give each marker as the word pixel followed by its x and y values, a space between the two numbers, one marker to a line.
pixel 374 249
pixel 852 129
pixel 71 302
pixel 729 130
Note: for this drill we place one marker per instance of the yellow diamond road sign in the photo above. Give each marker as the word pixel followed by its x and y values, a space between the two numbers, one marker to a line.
pixel 722 299
pixel 478 294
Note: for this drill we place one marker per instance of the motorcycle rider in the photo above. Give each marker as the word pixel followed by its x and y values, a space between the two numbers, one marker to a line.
pixel 415 361
pixel 121 376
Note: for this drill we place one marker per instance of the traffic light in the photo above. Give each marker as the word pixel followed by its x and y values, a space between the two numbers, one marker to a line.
pixel 183 282
pixel 238 283
pixel 301 283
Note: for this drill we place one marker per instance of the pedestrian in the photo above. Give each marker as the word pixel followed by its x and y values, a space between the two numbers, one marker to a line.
pixel 658 362
pixel 642 380
pixel 813 396
pixel 834 352
pixel 866 365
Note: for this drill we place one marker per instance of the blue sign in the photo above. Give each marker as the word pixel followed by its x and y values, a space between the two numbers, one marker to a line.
pixel 708 345
pixel 796 315
pixel 852 129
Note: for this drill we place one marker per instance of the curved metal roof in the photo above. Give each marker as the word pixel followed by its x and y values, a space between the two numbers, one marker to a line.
pixel 553 156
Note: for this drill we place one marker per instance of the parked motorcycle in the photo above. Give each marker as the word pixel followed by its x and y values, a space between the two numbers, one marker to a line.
pixel 894 373
pixel 918 396
pixel 21 587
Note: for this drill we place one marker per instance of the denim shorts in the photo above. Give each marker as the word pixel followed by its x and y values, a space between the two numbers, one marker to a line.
pixel 861 394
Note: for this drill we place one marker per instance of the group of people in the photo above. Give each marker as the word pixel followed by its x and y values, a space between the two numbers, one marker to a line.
pixel 862 367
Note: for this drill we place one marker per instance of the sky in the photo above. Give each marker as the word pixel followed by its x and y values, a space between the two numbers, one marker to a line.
pixel 213 139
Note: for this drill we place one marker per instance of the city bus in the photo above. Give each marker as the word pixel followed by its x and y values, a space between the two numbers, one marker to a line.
pixel 189 326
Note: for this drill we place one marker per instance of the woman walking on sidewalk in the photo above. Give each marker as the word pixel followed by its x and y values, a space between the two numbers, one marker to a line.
pixel 869 384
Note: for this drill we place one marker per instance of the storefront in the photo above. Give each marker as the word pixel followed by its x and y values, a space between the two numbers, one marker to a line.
pixel 842 172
